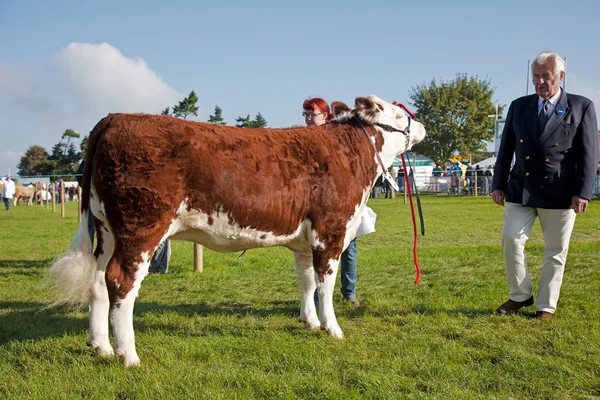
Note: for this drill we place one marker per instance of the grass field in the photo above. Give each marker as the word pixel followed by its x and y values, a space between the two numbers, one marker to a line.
pixel 231 332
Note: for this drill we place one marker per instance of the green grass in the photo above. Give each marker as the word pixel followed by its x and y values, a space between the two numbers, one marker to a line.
pixel 232 331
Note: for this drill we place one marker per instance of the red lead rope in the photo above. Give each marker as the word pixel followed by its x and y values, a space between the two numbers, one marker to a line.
pixel 412 207
pixel 412 211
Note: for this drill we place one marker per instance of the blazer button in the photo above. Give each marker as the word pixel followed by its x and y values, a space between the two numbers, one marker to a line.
pixel 521 140
pixel 555 144
pixel 526 173
pixel 527 158
pixel 547 160
pixel 546 177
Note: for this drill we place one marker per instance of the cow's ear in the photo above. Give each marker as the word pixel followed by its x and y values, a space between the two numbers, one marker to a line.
pixel 337 108
pixel 363 103
pixel 366 108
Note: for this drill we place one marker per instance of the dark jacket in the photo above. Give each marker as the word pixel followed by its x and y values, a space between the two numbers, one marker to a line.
pixel 551 166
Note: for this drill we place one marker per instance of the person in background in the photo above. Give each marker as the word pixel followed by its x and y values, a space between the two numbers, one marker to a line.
pixel 8 191
pixel 317 112
pixel 454 182
pixel 489 175
pixel 553 138
pixel 159 264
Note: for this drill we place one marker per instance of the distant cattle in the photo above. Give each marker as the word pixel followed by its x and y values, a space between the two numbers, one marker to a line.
pixel 26 193
pixel 149 178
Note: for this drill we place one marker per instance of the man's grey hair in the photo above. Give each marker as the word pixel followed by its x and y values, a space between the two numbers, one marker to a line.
pixel 546 56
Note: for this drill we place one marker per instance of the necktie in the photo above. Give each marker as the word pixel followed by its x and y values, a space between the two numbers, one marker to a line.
pixel 544 116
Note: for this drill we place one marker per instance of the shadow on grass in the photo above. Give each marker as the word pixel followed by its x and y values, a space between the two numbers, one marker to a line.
pixel 22 321
pixel 204 309
pixel 288 310
pixel 426 310
pixel 23 267
pixel 469 312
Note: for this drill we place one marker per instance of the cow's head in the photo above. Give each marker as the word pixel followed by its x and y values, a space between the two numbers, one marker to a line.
pixel 388 118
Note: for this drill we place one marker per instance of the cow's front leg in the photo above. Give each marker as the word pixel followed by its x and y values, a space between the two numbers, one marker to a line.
pixel 306 277
pixel 326 272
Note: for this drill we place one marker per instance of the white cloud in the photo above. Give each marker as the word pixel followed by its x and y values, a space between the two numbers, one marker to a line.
pixel 82 83
pixel 107 80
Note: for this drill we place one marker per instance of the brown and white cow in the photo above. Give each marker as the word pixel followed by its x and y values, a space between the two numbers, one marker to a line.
pixel 149 178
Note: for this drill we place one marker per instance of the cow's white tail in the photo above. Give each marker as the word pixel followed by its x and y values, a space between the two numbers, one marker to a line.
pixel 74 270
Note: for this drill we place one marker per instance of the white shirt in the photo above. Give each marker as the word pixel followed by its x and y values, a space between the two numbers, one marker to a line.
pixel 551 102
pixel 8 190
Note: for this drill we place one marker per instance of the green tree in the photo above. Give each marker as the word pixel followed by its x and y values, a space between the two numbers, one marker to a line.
pixel 64 158
pixel 33 161
pixel 165 111
pixel 241 122
pixel 218 117
pixel 69 134
pixel 83 145
pixel 56 157
pixel 186 106
pixel 257 122
pixel 456 115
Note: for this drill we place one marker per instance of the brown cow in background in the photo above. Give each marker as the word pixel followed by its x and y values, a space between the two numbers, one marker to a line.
pixel 23 193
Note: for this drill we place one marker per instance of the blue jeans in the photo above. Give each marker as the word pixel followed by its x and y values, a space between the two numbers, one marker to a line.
pixel 160 259
pixel 348 267
pixel 348 272
pixel 7 203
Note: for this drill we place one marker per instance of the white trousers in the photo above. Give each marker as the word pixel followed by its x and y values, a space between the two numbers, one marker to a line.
pixel 557 226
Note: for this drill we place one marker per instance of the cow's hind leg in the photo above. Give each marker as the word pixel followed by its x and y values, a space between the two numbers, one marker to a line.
pixel 99 301
pixel 123 280
pixel 306 277
pixel 325 285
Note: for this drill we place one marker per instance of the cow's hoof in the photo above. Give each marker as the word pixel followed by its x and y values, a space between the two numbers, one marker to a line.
pixel 335 332
pixel 310 323
pixel 129 361
pixel 102 350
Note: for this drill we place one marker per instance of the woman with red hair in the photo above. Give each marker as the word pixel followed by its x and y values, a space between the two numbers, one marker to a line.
pixel 316 113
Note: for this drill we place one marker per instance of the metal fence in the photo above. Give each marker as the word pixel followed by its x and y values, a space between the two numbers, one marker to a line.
pixel 467 186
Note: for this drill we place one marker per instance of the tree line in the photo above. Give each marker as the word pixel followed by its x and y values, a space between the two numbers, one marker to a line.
pixel 459 116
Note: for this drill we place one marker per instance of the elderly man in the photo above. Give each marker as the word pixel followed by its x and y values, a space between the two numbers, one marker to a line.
pixel 553 137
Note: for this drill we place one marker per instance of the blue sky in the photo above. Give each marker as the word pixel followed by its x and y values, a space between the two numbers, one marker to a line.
pixel 67 64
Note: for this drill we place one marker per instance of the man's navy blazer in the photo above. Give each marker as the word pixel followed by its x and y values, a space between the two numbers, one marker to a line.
pixel 551 166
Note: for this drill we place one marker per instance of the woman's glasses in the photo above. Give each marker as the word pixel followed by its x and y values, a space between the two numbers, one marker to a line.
pixel 310 114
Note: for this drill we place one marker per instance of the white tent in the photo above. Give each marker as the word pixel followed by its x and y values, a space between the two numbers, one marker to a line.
pixel 486 162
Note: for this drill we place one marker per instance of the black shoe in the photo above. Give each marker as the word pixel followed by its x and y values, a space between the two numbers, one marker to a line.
pixel 512 306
